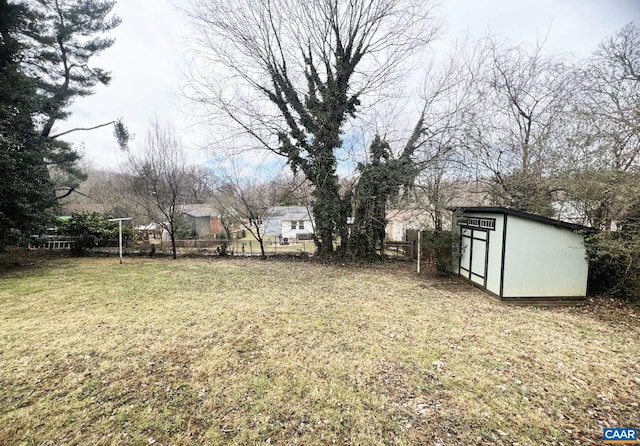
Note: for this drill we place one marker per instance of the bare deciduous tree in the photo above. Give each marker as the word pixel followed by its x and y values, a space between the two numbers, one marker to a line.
pixel 296 72
pixel 450 101
pixel 605 135
pixel 245 193
pixel 241 199
pixel 514 132
pixel 159 177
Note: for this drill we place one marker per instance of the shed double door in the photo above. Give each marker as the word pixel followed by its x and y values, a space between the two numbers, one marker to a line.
pixel 474 254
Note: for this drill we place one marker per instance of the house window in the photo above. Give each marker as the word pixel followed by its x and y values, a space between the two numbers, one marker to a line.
pixel 300 224
pixel 293 224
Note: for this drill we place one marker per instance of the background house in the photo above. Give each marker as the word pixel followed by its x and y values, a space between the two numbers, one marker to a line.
pixel 292 223
pixel 149 231
pixel 203 219
pixel 401 220
pixel 514 254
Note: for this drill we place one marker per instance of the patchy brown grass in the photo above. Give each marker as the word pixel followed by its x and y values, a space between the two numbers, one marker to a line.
pixel 251 351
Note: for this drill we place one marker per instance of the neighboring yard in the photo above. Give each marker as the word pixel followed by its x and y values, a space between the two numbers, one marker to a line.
pixel 248 351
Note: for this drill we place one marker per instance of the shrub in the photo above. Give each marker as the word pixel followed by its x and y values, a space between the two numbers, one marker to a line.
pixel 90 229
pixel 438 246
pixel 614 264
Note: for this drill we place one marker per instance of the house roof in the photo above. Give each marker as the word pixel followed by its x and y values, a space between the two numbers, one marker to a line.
pixel 522 214
pixel 199 210
pixel 149 227
pixel 288 213
pixel 296 216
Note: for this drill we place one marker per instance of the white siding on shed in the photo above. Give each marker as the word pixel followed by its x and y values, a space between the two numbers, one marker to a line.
pixel 543 261
pixel 514 254
pixel 493 242
pixel 494 270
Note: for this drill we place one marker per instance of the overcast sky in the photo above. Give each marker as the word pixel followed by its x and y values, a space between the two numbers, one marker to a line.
pixel 149 57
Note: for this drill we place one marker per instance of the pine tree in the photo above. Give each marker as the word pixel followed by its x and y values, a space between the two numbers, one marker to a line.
pixel 46 48
pixel 26 192
pixel 63 37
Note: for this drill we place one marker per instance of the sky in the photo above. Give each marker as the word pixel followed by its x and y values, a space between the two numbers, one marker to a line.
pixel 150 57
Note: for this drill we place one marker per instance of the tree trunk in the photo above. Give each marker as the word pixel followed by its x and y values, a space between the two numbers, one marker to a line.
pixel 173 243
pixel 343 229
pixel 227 228
pixel 324 215
pixel 327 206
pixel 438 226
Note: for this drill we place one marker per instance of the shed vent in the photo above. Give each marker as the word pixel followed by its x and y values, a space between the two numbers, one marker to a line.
pixel 477 222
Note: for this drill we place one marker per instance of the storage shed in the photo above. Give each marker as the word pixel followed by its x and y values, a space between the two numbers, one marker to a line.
pixel 517 255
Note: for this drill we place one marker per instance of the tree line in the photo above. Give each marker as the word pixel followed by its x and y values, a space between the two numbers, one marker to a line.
pixel 325 84
pixel 158 185
pixel 537 130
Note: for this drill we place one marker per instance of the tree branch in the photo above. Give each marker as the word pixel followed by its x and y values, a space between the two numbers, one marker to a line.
pixel 81 129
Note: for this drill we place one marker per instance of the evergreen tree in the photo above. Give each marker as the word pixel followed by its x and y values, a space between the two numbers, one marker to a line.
pixel 64 36
pixel 45 55
pixel 26 191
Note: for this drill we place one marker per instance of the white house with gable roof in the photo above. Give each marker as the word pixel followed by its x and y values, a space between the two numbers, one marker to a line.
pixel 289 223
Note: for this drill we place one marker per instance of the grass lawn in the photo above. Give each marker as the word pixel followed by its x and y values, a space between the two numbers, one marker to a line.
pixel 248 351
